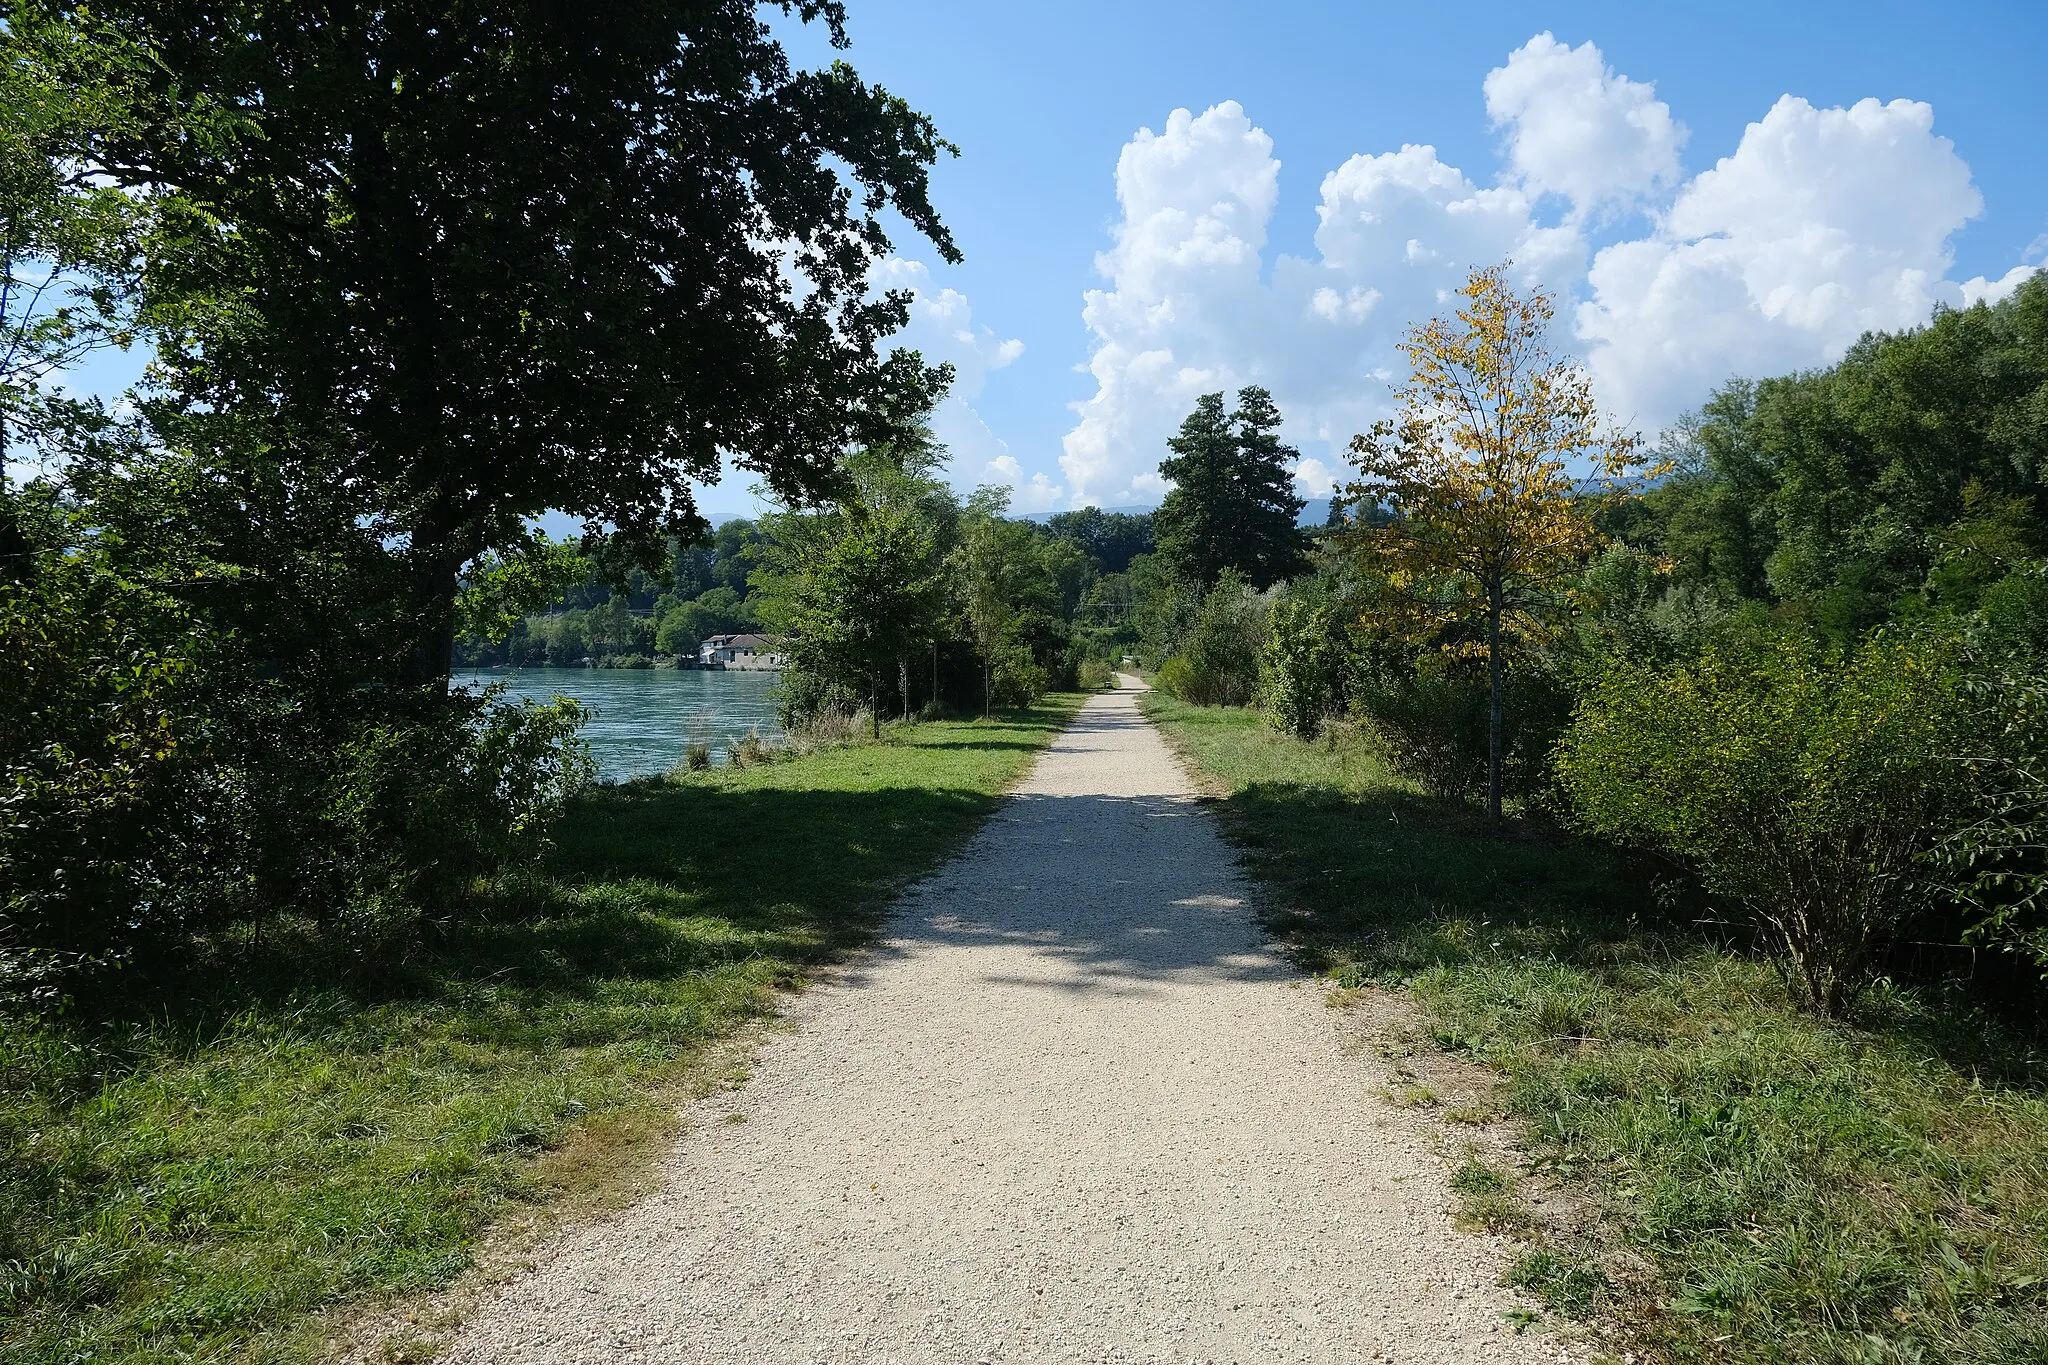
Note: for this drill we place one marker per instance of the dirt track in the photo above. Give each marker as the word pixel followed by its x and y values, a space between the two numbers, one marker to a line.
pixel 1072 1110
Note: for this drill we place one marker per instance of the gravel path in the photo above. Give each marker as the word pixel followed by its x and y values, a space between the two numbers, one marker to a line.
pixel 1073 1110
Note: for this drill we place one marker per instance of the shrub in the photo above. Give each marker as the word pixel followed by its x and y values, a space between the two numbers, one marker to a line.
pixel 804 696
pixel 1301 668
pixel 1015 680
pixel 115 832
pixel 1093 675
pixel 1175 678
pixel 1219 659
pixel 419 807
pixel 1429 717
pixel 1806 784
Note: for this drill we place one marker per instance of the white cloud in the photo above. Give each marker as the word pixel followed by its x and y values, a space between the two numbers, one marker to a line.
pixel 1314 479
pixel 1982 290
pixel 1185 270
pixel 1191 310
pixel 1577 129
pixel 942 328
pixel 1822 224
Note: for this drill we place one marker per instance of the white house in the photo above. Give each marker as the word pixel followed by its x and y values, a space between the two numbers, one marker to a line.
pixel 739 651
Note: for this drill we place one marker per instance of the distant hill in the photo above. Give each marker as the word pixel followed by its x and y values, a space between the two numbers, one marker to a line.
pixel 1043 517
pixel 1314 512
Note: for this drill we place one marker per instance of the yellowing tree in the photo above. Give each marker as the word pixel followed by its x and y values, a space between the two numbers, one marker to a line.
pixel 1479 496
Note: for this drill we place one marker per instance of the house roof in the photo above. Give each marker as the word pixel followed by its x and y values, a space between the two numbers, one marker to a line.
pixel 738 641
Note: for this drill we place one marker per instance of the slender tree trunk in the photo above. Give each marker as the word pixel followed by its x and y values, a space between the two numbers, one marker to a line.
pixel 441 545
pixel 17 556
pixel 984 689
pixel 903 682
pixel 935 670
pixel 875 706
pixel 1493 718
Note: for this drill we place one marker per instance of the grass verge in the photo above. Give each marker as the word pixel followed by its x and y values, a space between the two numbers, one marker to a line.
pixel 195 1185
pixel 1772 1188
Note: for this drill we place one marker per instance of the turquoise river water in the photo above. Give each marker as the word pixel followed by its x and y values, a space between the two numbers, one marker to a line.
pixel 647 717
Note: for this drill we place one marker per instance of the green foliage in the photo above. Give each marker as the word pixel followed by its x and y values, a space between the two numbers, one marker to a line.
pixel 1774 1188
pixel 1808 785
pixel 1002 588
pixel 1015 681
pixel 200 1185
pixel 1232 504
pixel 856 591
pixel 67 242
pixel 1219 662
pixel 588 316
pixel 108 819
pixel 1094 675
pixel 1110 539
pixel 1908 474
pixel 1430 718
pixel 1303 665
pixel 179 768
pixel 502 587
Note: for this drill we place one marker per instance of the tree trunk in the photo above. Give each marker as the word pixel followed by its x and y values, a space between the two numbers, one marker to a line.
pixel 17 556
pixel 984 689
pixel 440 546
pixel 903 682
pixel 875 705
pixel 1493 717
pixel 935 670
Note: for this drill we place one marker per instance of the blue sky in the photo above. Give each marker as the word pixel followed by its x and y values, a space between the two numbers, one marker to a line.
pixel 1584 163
pixel 1043 99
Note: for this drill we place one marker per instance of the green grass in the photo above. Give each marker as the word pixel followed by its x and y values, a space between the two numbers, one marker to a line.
pixel 199 1185
pixel 1771 1187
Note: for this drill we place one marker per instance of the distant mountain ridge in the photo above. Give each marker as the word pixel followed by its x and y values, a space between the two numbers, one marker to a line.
pixel 1314 512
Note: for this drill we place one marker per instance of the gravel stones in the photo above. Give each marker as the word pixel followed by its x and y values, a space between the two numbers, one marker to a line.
pixel 1073 1109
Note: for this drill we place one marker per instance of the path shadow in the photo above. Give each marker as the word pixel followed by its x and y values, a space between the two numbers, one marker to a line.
pixel 1091 894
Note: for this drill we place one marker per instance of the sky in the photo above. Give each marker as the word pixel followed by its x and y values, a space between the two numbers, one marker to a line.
pixel 1161 200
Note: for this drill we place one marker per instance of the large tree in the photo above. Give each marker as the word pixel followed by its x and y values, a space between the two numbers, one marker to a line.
pixel 1232 505
pixel 1478 494
pixel 483 259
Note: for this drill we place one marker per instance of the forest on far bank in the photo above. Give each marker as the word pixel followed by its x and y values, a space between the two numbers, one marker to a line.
pixel 1076 571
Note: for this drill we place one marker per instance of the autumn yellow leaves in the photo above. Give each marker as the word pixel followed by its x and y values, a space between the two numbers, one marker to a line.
pixel 1475 505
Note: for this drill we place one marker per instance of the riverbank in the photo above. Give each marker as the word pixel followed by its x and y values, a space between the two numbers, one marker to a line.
pixel 1740 1181
pixel 201 1184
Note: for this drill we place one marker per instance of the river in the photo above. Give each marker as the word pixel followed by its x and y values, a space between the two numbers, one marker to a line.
pixel 647 717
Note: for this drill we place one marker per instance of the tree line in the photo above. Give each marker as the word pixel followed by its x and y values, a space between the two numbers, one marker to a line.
pixel 1796 648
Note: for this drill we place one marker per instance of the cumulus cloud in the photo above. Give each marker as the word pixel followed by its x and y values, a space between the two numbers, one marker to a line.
pixel 942 328
pixel 1982 290
pixel 1185 269
pixel 1191 308
pixel 1822 223
pixel 1577 129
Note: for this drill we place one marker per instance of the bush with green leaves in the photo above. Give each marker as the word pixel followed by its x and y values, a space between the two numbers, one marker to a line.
pixel 1428 714
pixel 1810 785
pixel 419 807
pixel 1218 662
pixel 1014 680
pixel 170 779
pixel 1303 664
pixel 112 829
pixel 1093 675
